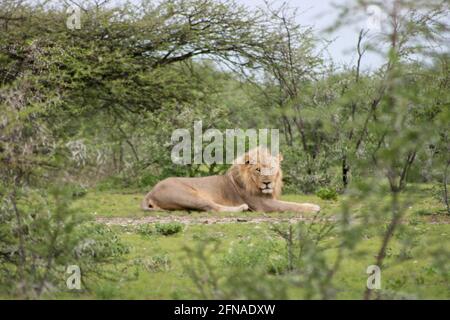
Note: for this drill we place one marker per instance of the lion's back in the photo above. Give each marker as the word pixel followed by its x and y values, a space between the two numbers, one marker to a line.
pixel 216 188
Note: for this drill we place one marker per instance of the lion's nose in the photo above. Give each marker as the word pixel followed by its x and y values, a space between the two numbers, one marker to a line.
pixel 267 183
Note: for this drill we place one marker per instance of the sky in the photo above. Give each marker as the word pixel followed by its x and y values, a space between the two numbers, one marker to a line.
pixel 320 14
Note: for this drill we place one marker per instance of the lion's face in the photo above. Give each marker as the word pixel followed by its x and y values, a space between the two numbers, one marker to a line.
pixel 259 172
pixel 264 175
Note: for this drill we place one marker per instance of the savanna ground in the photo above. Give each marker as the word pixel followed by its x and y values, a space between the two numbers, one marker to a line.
pixel 158 266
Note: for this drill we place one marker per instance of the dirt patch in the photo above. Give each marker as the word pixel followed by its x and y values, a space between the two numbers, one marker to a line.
pixel 438 219
pixel 117 221
pixel 120 221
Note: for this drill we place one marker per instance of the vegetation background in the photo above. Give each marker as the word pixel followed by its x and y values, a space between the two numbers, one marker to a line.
pixel 86 116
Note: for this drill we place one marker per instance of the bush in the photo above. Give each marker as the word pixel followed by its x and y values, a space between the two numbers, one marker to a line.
pixel 157 263
pixel 327 194
pixel 78 192
pixel 148 180
pixel 52 236
pixel 116 182
pixel 267 255
pixel 302 173
pixel 145 229
pixel 98 241
pixel 167 229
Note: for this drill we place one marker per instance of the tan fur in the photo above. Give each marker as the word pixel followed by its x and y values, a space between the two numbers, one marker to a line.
pixel 254 183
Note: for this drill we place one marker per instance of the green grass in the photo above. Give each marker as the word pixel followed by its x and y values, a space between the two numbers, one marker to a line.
pixel 124 204
pixel 127 205
pixel 156 266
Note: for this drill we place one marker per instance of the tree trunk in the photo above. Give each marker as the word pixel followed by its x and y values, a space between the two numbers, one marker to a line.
pixel 345 171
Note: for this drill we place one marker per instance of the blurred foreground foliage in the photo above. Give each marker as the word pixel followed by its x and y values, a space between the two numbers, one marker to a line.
pixel 96 107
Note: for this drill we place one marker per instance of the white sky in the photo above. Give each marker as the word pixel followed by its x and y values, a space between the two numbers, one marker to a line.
pixel 320 14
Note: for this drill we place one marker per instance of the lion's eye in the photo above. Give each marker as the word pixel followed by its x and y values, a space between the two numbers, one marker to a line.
pixel 258 169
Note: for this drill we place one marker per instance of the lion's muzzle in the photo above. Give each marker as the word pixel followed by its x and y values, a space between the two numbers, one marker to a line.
pixel 266 187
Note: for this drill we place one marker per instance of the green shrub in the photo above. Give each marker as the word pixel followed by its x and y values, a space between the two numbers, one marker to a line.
pixel 115 182
pixel 327 194
pixel 53 235
pixel 98 241
pixel 148 180
pixel 267 255
pixel 167 229
pixel 296 163
pixel 159 262
pixel 145 229
pixel 106 291
pixel 78 192
pixel 277 264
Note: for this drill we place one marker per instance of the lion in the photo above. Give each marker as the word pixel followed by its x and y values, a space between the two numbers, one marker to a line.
pixel 249 184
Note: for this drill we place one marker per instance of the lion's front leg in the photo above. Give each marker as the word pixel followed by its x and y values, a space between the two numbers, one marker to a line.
pixel 272 205
pixel 221 208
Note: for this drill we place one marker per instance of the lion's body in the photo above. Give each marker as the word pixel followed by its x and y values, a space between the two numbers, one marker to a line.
pixel 205 194
pixel 245 186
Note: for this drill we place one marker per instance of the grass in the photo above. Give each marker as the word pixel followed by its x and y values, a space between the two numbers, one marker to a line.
pixel 157 265
pixel 125 205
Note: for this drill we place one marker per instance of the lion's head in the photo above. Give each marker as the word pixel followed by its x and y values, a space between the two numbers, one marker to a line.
pixel 258 172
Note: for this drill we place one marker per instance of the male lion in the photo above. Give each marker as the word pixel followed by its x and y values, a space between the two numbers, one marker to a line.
pixel 248 185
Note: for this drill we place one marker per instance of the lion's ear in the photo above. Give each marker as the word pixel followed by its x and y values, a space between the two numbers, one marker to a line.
pixel 280 157
pixel 247 159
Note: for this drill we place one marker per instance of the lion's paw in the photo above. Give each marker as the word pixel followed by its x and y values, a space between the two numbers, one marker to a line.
pixel 243 207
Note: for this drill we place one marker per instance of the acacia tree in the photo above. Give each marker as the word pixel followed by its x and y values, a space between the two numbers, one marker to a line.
pixel 128 66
